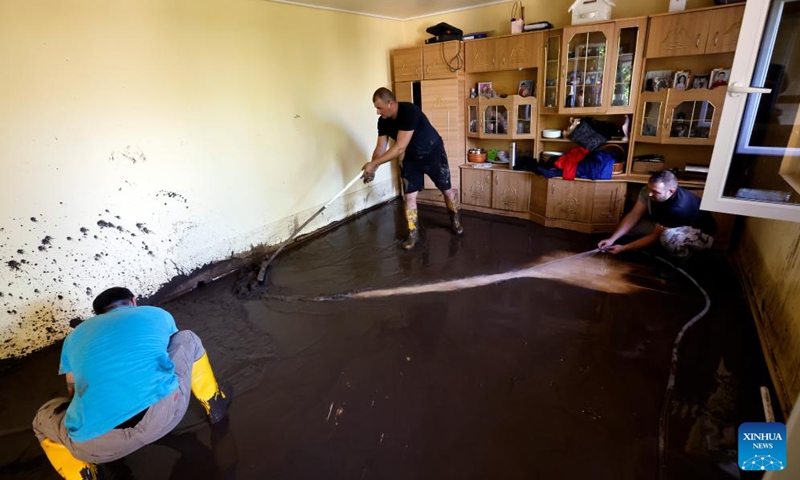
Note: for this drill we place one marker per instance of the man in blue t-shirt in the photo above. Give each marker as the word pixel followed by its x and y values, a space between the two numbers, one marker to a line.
pixel 679 223
pixel 421 150
pixel 130 374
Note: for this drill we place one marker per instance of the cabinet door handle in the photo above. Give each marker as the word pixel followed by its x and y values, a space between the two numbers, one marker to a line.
pixel 552 189
pixel 416 72
pixel 697 42
pixel 716 37
pixel 427 70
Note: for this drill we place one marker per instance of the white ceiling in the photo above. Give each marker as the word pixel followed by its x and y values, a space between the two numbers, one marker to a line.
pixel 394 9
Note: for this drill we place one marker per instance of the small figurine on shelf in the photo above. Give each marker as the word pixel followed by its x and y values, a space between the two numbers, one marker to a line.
pixel 473 93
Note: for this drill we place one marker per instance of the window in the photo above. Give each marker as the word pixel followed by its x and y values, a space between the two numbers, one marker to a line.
pixel 755 166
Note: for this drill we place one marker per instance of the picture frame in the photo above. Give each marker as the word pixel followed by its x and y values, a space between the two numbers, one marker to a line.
pixel 719 77
pixel 700 81
pixel 525 88
pixel 682 80
pixel 485 89
pixel 657 80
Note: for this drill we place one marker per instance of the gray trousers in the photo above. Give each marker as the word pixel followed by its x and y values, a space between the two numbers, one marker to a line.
pixel 680 242
pixel 184 349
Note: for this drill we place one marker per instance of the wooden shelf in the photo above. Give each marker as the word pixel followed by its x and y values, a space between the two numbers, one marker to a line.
pixel 643 177
pixel 566 140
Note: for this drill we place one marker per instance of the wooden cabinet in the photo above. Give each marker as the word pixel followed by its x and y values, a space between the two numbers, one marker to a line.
pixel 583 205
pixel 519 51
pixel 407 64
pixel 723 30
pixel 496 188
pixel 601 66
pixel 503 53
pixel 442 104
pixel 481 55
pixel 694 33
pixel 442 60
pixel 513 117
pixel 404 91
pixel 431 62
pixel 683 117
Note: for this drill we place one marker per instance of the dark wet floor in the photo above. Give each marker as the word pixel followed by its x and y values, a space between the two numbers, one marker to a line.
pixel 529 378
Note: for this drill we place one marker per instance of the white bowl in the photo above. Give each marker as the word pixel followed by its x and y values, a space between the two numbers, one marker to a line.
pixel 551 133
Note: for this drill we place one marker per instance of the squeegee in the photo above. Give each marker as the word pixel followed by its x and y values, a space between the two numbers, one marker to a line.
pixel 262 272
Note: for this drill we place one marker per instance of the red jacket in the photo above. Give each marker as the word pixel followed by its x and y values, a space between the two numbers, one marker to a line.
pixel 569 162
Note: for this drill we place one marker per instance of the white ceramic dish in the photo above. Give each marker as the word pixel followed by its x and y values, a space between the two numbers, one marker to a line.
pixel 551 133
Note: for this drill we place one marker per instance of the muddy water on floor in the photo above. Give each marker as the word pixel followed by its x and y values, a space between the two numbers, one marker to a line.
pixel 554 371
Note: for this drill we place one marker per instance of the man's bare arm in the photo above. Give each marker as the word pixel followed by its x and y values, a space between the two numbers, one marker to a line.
pixel 70 384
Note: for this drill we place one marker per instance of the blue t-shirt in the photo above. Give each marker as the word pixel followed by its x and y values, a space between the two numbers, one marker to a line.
pixel 121 366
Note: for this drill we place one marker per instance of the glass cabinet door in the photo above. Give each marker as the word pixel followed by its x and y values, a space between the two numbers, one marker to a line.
pixel 524 120
pixel 472 121
pixel 495 121
pixel 585 67
pixel 627 41
pixel 552 55
pixel 691 119
pixel 651 120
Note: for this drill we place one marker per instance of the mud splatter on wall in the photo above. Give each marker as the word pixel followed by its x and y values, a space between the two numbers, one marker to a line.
pixel 768 256
pixel 141 166
pixel 139 237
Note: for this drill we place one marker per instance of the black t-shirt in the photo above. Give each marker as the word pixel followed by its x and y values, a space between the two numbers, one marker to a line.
pixel 425 139
pixel 682 209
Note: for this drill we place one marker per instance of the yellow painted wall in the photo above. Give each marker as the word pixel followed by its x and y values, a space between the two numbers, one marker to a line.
pixel 769 258
pixel 495 18
pixel 198 128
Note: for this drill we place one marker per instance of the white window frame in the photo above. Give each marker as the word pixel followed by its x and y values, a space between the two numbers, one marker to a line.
pixel 744 63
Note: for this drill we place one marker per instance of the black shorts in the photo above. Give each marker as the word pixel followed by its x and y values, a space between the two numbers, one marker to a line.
pixel 435 166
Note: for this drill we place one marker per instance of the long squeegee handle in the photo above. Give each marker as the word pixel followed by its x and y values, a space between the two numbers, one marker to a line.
pixel 263 271
pixel 347 187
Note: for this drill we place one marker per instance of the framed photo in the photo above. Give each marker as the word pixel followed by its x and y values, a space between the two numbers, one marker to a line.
pixel 682 80
pixel 658 80
pixel 525 88
pixel 485 89
pixel 700 81
pixel 719 77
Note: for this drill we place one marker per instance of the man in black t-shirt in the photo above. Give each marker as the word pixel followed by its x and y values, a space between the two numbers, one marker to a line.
pixel 680 225
pixel 421 150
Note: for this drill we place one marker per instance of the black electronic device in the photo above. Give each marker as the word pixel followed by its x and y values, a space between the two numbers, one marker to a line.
pixel 442 38
pixel 441 29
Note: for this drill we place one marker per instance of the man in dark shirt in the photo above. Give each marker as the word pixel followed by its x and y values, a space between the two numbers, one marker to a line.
pixel 680 225
pixel 421 150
